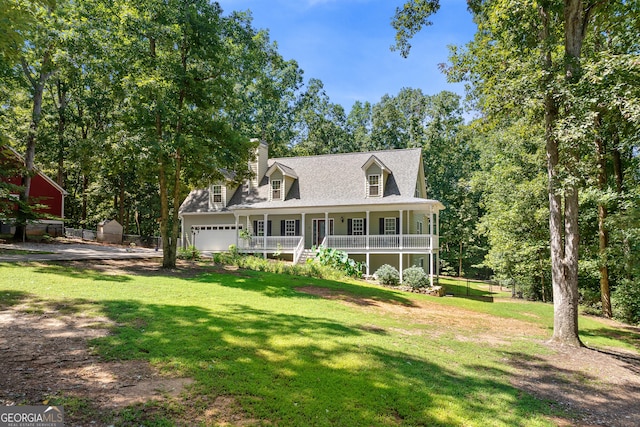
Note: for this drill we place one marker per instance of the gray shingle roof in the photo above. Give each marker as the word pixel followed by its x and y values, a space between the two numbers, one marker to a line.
pixel 327 180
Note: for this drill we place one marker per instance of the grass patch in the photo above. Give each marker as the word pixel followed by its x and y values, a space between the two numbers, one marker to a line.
pixel 290 358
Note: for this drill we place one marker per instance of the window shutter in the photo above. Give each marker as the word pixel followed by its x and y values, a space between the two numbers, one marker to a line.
pixel 269 228
pixel 381 226
pixel 397 225
pixel 282 229
pixel 366 231
pixel 349 227
pixel 297 227
pixel 255 228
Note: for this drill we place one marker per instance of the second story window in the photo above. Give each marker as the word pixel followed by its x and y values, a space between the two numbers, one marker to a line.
pixel 216 193
pixel 276 190
pixel 373 182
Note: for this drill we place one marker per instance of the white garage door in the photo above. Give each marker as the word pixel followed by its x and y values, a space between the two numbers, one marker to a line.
pixel 214 237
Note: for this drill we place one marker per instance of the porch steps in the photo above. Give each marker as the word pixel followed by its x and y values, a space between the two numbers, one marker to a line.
pixel 306 254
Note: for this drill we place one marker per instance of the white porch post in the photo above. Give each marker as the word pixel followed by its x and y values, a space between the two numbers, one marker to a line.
pixel 438 248
pixel 431 237
pixel 368 262
pixel 366 232
pixel 237 217
pixel 400 242
pixel 401 268
pixel 326 226
pixel 264 234
pixel 302 230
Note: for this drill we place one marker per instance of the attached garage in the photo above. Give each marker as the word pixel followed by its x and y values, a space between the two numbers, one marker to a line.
pixel 215 238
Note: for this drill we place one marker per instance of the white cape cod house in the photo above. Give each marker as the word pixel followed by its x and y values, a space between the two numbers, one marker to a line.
pixel 372 205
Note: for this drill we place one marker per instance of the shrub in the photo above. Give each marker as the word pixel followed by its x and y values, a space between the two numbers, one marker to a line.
pixel 626 302
pixel 189 253
pixel 233 250
pixel 415 277
pixel 388 275
pixel 339 260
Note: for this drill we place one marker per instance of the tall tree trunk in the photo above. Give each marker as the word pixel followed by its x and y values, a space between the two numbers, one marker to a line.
pixel 168 258
pixel 85 187
pixel 603 233
pixel 121 202
pixel 460 260
pixel 617 163
pixel 563 223
pixel 37 86
pixel 62 125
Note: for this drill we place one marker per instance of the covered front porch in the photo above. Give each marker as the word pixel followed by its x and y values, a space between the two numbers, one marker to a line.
pixel 406 236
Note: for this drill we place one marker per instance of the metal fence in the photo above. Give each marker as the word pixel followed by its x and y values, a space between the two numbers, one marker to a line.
pixel 127 239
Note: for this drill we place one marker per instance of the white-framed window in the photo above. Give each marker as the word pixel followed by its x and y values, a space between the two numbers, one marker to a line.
pixel 259 231
pixel 419 227
pixel 373 186
pixel 389 226
pixel 276 189
pixel 289 227
pixel 216 193
pixel 357 226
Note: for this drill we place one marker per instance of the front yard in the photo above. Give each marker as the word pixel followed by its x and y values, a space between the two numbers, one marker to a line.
pixel 123 343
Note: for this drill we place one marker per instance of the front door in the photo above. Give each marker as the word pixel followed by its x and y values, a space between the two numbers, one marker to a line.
pixel 319 230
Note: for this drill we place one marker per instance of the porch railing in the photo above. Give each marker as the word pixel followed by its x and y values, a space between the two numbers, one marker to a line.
pixel 297 252
pixel 270 243
pixel 392 241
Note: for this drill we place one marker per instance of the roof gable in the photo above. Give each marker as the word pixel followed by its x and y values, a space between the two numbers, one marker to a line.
pixel 374 160
pixel 285 170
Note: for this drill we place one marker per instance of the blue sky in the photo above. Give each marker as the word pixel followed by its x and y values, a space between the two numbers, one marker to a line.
pixel 345 43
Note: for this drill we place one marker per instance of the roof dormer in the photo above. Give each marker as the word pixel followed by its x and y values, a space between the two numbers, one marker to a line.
pixel 281 178
pixel 375 173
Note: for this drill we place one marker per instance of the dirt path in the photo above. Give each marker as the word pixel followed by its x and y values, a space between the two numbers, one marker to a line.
pixel 44 357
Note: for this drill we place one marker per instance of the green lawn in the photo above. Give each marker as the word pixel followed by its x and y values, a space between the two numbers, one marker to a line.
pixel 293 359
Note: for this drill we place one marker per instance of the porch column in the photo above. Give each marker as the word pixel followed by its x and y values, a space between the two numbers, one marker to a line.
pixel 401 268
pixel 368 268
pixel 431 237
pixel 366 232
pixel 264 235
pixel 181 230
pixel 237 230
pixel 302 231
pixel 400 242
pixel 326 226
pixel 438 248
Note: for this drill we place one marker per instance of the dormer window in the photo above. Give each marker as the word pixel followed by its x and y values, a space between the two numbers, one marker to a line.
pixel 217 196
pixel 373 186
pixel 216 193
pixel 276 190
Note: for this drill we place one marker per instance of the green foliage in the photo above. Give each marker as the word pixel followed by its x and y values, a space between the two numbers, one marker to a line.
pixel 190 253
pixel 250 262
pixel 339 260
pixel 415 277
pixel 233 250
pixel 388 275
pixel 626 302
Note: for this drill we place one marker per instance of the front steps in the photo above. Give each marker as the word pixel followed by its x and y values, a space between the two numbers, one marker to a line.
pixel 306 254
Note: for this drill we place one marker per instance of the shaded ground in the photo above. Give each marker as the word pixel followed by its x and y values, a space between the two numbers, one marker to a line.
pixel 46 355
pixel 601 387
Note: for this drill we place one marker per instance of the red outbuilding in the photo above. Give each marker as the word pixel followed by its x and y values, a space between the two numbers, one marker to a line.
pixel 43 191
